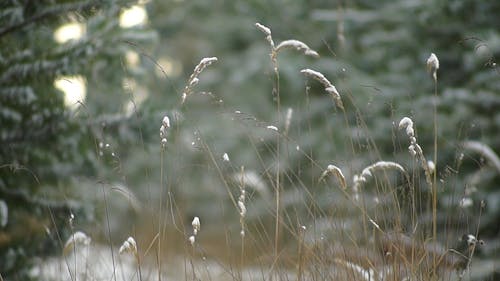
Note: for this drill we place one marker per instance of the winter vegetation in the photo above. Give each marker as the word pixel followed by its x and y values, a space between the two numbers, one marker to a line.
pixel 298 140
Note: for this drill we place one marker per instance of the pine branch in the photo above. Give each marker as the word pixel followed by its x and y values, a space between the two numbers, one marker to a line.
pixel 49 12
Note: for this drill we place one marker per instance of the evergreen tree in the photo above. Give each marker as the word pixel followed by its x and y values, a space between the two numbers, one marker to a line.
pixel 45 143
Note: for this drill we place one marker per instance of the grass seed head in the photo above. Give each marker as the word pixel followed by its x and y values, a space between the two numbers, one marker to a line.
pixel 267 31
pixel 129 246
pixel 329 87
pixel 77 238
pixel 196 225
pixel 334 170
pixel 433 65
pixel 193 79
pixel 296 45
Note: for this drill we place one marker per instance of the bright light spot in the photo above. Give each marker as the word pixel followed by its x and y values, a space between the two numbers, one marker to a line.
pixel 135 15
pixel 132 58
pixel 74 89
pixel 69 31
pixel 171 67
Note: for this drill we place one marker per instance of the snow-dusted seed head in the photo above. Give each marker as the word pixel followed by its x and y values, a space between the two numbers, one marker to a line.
pixel 431 166
pixel 196 225
pixel 203 64
pixel 368 172
pixel 405 123
pixel 433 65
pixel 165 125
pixel 77 238
pixel 472 241
pixel 263 28
pixel 193 79
pixel 274 128
pixel 411 149
pixel 129 246
pixel 194 82
pixel 296 45
pixel 485 151
pixel 382 165
pixel 415 149
pixel 166 122
pixel 191 240
pixel 267 31
pixel 329 87
pixel 334 170
pixel 243 209
pixel 225 157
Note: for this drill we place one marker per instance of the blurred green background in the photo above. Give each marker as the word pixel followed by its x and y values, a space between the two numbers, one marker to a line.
pixel 60 157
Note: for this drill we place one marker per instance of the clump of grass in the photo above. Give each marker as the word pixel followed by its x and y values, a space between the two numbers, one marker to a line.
pixel 392 251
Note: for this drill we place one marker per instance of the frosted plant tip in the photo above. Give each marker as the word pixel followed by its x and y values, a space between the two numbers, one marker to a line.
pixel 129 246
pixel 191 239
pixel 329 87
pixel 431 166
pixel 196 225
pixel 433 65
pixel 274 128
pixel 296 45
pixel 225 157
pixel 166 122
pixel 208 60
pixel 405 122
pixel 243 209
pixel 332 169
pixel 77 238
pixel 263 28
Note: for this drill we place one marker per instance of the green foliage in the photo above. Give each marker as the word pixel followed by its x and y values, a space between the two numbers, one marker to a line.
pixel 45 145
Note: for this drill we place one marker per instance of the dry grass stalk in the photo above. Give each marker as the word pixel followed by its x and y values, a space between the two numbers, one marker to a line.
pixel 329 87
pixel 399 248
